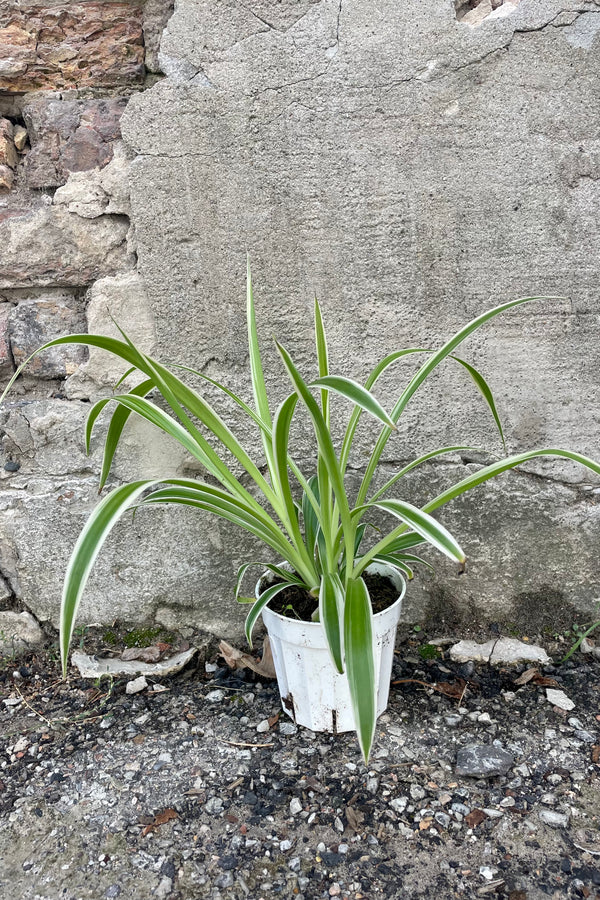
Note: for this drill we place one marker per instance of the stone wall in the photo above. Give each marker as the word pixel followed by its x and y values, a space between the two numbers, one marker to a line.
pixel 412 164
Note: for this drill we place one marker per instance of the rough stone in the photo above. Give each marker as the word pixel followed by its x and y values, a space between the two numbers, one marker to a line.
pixel 120 300
pixel 34 322
pixel 49 246
pixel 6 360
pixel 483 761
pixel 18 631
pixel 97 44
pixel 554 819
pixel 69 136
pixel 136 685
pixel 8 151
pixel 504 651
pixel 560 699
pixel 20 136
pixel 99 191
pixel 94 666
pixel 156 15
pixel 129 580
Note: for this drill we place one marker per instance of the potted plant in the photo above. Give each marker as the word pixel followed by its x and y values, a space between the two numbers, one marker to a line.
pixel 308 522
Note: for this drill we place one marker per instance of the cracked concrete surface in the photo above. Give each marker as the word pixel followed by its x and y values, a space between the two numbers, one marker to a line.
pixel 411 171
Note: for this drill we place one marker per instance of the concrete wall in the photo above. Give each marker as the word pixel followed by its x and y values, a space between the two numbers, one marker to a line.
pixel 412 165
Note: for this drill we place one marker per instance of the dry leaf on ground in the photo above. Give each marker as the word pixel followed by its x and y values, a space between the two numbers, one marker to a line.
pixel 475 818
pixel 160 819
pixel 236 659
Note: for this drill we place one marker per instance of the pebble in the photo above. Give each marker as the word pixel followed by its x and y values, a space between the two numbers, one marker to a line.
pixel 483 761
pixel 559 698
pixel 215 696
pixel 136 685
pixel 263 726
pixel 554 819
pixel 288 728
pixel 488 872
pixel 417 792
pixel 295 806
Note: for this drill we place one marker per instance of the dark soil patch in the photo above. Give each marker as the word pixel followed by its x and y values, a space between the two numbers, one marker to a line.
pixel 296 603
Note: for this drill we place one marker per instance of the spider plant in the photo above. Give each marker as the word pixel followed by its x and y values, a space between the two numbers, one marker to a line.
pixel 319 536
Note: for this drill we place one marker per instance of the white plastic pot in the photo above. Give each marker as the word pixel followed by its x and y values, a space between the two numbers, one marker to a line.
pixel 313 693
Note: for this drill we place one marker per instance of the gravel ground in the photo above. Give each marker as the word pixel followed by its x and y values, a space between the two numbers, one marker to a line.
pixel 206 790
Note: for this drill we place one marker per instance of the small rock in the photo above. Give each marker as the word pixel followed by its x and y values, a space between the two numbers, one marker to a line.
pixel 488 872
pixel 295 806
pixel 553 819
pixel 137 685
pixel 287 728
pixel 18 631
pixel 284 846
pixel 505 651
pixel 263 726
pixel 399 804
pixel 20 138
pixel 95 667
pixel 559 698
pixel 417 792
pixel 483 761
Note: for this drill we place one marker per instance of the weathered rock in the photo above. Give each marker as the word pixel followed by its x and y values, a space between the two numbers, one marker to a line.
pixel 7 178
pixel 49 246
pixel 137 685
pixel 20 136
pixel 6 359
pixel 483 761
pixel 8 151
pixel 98 44
pixel 47 435
pixel 8 155
pixel 156 15
pixel 503 651
pixel 93 193
pixel 18 631
pixel 5 590
pixel 553 818
pixel 560 699
pixel 123 300
pixel 34 322
pixel 94 666
pixel 130 579
pixel 69 136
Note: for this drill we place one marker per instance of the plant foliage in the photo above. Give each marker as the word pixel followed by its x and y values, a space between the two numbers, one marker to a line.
pixel 309 522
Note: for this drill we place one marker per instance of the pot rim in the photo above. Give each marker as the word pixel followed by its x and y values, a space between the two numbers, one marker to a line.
pixel 389 570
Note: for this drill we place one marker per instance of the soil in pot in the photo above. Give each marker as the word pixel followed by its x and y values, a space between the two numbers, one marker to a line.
pixel 296 603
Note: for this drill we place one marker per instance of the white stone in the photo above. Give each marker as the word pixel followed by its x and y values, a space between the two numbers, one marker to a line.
pixel 95 667
pixel 504 651
pixel 295 806
pixel 559 698
pixel 137 685
pixel 553 818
